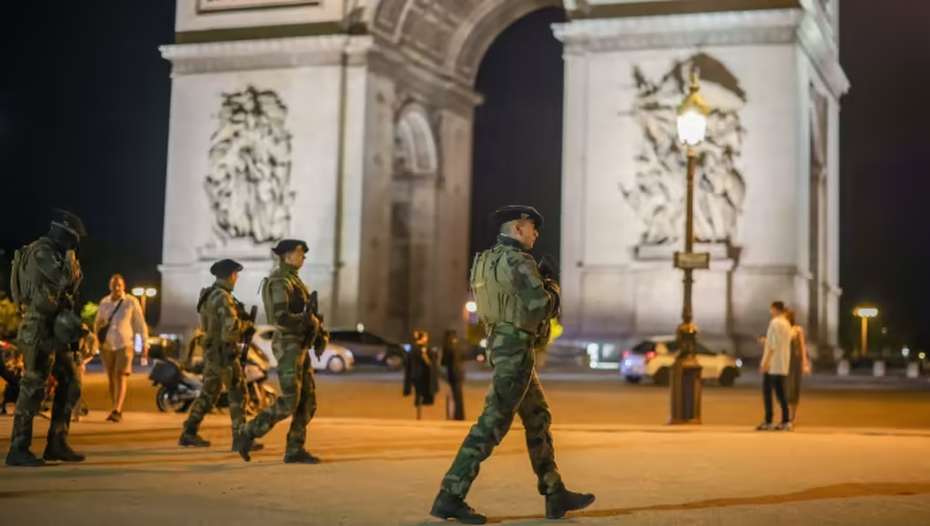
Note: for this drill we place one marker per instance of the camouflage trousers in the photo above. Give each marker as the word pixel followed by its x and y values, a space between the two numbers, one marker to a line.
pixel 219 372
pixel 515 390
pixel 298 395
pixel 44 357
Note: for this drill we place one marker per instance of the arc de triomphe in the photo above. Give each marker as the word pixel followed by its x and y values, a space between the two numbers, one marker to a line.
pixel 349 124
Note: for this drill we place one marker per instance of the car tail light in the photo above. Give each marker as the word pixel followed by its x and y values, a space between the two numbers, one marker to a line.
pixel 650 355
pixel 626 354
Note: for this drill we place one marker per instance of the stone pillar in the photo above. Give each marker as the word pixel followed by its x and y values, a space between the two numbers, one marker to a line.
pixel 624 172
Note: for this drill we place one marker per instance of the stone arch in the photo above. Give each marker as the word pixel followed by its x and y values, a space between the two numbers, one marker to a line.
pixel 415 142
pixel 451 36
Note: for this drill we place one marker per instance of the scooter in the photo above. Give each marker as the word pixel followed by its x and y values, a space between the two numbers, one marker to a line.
pixel 179 386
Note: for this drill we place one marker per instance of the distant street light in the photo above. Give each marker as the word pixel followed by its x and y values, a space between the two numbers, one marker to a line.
pixel 864 312
pixel 143 293
pixel 686 371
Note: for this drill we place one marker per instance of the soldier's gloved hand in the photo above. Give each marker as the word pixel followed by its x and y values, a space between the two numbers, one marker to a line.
pixel 319 343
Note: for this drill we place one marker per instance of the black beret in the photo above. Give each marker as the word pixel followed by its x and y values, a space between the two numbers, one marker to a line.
pixel 514 212
pixel 224 268
pixel 68 221
pixel 289 245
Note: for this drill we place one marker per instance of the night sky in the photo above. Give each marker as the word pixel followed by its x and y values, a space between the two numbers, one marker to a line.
pixel 84 98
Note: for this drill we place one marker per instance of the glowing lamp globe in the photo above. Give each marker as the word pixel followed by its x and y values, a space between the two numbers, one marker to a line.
pixel 692 115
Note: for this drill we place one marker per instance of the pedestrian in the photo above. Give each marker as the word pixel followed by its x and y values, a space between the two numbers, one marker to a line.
pixel 452 362
pixel 119 320
pixel 44 282
pixel 224 329
pixel 515 304
pixel 775 367
pixel 285 298
pixel 799 366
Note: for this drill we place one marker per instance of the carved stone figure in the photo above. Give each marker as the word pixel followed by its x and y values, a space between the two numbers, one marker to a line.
pixel 658 193
pixel 250 168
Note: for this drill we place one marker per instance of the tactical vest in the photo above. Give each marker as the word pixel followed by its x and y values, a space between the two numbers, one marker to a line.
pixel 297 294
pixel 209 321
pixel 495 293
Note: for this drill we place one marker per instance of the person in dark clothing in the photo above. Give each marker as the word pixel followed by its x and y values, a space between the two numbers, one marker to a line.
pixel 455 374
pixel 421 373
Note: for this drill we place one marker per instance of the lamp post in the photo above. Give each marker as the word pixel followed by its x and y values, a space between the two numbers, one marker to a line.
pixel 686 371
pixel 142 293
pixel 864 312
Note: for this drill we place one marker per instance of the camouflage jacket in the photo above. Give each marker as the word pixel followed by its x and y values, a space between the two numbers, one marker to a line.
pixel 285 298
pixel 219 318
pixel 508 288
pixel 46 277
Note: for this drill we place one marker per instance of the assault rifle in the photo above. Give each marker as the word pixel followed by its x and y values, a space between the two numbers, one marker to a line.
pixel 246 338
pixel 313 338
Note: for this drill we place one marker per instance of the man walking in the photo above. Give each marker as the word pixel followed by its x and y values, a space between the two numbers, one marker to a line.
pixel 44 283
pixel 775 366
pixel 515 304
pixel 285 297
pixel 224 328
pixel 119 319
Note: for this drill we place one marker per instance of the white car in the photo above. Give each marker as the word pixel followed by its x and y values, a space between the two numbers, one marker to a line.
pixel 336 359
pixel 654 358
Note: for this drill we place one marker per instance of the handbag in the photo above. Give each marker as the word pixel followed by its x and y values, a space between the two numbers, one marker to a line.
pixel 102 332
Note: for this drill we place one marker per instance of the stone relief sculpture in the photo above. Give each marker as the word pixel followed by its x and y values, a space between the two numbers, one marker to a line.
pixel 250 168
pixel 658 193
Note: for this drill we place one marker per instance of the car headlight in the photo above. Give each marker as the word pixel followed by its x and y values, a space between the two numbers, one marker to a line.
pixel 739 363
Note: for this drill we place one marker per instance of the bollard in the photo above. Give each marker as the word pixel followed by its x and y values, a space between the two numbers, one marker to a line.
pixel 878 369
pixel 913 370
pixel 842 368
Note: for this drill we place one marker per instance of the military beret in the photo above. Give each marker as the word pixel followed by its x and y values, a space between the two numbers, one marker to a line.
pixel 68 221
pixel 289 245
pixel 224 268
pixel 514 212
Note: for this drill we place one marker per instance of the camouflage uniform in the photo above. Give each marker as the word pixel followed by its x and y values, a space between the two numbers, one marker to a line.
pixel 515 303
pixel 47 278
pixel 285 297
pixel 223 331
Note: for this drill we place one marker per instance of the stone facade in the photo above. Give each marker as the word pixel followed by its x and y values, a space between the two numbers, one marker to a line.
pixel 349 124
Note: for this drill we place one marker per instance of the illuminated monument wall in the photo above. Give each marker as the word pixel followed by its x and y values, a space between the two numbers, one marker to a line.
pixel 349 124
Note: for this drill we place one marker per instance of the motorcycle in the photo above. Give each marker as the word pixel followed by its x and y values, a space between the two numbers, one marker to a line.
pixel 179 386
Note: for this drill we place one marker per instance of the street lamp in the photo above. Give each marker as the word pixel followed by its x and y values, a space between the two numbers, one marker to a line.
pixel 686 371
pixel 142 293
pixel 864 312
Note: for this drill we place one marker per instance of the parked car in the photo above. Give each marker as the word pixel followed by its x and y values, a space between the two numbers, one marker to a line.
pixel 336 359
pixel 654 358
pixel 368 348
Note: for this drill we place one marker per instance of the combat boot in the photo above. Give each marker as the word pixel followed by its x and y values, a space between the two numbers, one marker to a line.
pixel 192 440
pixel 564 501
pixel 19 454
pixel 300 457
pixel 256 446
pixel 243 444
pixel 58 449
pixel 448 506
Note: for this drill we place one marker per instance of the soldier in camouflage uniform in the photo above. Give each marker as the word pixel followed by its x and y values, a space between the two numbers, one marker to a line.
pixel 515 304
pixel 285 297
pixel 44 282
pixel 221 318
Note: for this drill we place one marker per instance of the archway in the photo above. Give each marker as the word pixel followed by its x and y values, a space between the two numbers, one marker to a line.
pixel 518 129
pixel 413 206
pixel 431 54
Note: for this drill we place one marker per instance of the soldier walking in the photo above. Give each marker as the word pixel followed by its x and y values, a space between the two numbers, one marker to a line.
pixel 224 324
pixel 515 303
pixel 44 282
pixel 285 298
